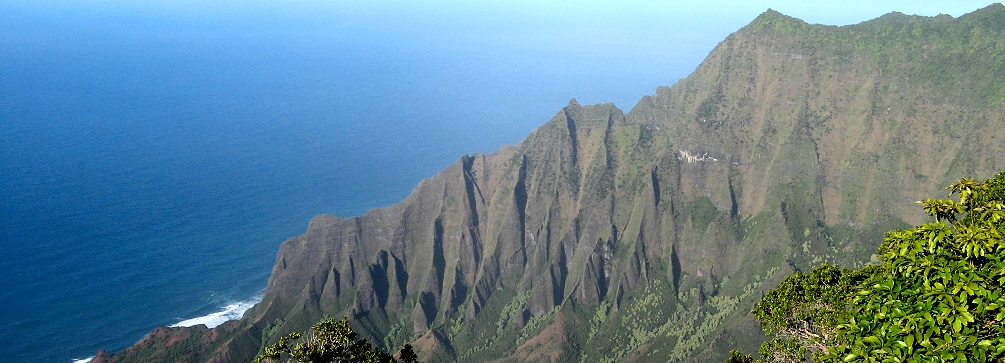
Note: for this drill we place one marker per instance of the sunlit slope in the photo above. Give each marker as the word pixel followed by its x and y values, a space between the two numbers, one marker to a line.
pixel 648 236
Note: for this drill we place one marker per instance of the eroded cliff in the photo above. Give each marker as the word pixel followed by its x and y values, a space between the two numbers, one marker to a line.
pixel 648 236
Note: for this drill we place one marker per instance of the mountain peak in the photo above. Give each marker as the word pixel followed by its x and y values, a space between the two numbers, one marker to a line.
pixel 790 145
pixel 775 15
pixel 993 16
pixel 774 20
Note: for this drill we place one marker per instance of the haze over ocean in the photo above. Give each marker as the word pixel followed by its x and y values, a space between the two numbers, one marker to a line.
pixel 154 156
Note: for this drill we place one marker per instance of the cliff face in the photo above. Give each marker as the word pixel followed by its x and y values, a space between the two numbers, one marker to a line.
pixel 648 236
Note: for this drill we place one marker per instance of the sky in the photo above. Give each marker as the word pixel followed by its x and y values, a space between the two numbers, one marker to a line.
pixel 490 71
pixel 680 33
pixel 567 24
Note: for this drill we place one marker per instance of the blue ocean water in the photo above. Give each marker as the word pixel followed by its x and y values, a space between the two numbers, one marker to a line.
pixel 151 165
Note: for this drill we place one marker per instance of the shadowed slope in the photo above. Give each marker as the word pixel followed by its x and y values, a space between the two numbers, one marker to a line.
pixel 649 236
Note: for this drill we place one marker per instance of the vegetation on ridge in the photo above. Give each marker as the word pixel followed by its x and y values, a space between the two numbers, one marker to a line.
pixel 938 295
pixel 330 341
pixel 649 236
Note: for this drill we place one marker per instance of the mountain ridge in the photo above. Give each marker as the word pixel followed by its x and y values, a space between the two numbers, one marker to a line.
pixel 647 236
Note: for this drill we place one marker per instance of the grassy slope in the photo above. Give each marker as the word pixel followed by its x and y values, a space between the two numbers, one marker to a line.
pixel 649 236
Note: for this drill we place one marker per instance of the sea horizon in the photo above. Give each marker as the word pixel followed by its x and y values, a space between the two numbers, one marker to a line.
pixel 155 156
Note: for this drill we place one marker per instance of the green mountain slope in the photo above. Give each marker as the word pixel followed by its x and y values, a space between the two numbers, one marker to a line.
pixel 649 236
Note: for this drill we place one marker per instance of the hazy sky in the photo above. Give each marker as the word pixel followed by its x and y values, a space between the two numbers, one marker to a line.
pixel 838 11
pixel 233 121
pixel 608 21
pixel 560 36
pixel 625 25
pixel 492 14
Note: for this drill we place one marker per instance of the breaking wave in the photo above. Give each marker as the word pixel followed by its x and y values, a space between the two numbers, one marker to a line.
pixel 233 311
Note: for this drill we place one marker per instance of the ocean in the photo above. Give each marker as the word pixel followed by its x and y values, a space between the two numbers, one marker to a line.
pixel 154 155
pixel 152 164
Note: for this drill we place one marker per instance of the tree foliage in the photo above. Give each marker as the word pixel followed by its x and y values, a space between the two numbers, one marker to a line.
pixel 805 310
pixel 736 357
pixel 330 341
pixel 937 295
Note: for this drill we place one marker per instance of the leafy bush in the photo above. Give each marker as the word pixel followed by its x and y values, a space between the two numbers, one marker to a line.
pixel 937 296
pixel 330 342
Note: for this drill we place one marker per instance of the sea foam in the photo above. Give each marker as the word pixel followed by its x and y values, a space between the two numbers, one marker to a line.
pixel 232 311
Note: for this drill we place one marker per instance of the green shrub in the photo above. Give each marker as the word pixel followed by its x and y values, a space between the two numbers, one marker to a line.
pixel 937 295
pixel 330 341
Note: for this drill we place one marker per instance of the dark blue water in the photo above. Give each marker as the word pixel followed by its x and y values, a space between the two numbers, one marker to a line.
pixel 150 165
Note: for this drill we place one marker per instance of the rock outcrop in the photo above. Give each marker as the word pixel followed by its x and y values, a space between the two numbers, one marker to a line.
pixel 648 236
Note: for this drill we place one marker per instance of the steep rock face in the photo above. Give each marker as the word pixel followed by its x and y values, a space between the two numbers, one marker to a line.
pixel 648 236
